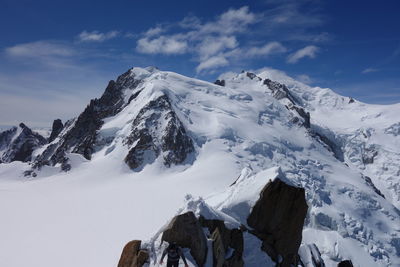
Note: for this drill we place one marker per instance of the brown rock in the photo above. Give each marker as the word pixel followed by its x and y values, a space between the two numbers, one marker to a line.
pixel 132 255
pixel 277 218
pixel 186 231
pixel 223 239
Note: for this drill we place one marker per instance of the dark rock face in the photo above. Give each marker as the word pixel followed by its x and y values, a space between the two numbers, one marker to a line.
pixel 20 148
pixel 369 155
pixel 369 182
pixel 220 82
pixel 186 231
pixel 279 91
pixel 157 130
pixel 132 255
pixel 223 239
pixel 277 218
pixel 303 114
pixel 6 137
pixel 346 263
pixel 330 145
pixel 55 129
pixel 351 100
pixel 81 134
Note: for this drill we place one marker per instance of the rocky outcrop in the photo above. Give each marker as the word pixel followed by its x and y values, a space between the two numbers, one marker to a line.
pixel 19 146
pixel 310 256
pixel 224 239
pixel 303 114
pixel 186 231
pixel 220 82
pixel 253 76
pixel 369 182
pixel 6 137
pixel 279 91
pixel 132 255
pixel 277 218
pixel 157 130
pixel 55 129
pixel 346 263
pixel 369 154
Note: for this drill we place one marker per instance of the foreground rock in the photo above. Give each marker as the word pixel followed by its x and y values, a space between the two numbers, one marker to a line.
pixel 224 239
pixel 346 263
pixel 132 255
pixel 277 218
pixel 186 231
pixel 310 256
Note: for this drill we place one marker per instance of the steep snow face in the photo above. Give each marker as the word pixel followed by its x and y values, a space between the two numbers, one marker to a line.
pixel 243 128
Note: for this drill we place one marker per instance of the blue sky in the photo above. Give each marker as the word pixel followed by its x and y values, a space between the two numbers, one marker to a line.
pixel 56 55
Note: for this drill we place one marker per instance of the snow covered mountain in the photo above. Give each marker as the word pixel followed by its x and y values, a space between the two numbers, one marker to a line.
pixel 18 143
pixel 121 169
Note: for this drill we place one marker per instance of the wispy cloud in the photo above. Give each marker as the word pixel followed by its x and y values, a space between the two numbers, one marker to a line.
pixel 96 36
pixel 174 44
pixel 308 51
pixel 304 78
pixel 369 70
pixel 40 49
pixel 267 49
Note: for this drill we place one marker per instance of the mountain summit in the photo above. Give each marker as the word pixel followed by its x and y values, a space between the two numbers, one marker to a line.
pixel 158 131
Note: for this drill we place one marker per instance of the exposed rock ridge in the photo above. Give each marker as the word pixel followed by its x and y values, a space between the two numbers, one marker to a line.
pixel 157 130
pixel 6 137
pixel 81 137
pixel 20 148
pixel 280 91
pixel 56 129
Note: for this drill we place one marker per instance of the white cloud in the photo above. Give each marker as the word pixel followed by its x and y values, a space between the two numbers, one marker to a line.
pixel 213 45
pixel 153 31
pixel 213 62
pixel 233 20
pixel 162 45
pixel 308 51
pixel 209 42
pixel 304 78
pixel 220 40
pixel 369 70
pixel 268 49
pixel 40 49
pixel 96 36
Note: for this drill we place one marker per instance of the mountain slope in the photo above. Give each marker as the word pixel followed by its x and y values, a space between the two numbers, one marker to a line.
pixel 155 136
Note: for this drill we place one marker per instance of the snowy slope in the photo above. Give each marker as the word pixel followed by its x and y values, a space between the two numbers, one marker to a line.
pixel 369 135
pixel 240 130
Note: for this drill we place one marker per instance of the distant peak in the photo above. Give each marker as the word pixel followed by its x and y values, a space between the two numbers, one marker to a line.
pixel 142 73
